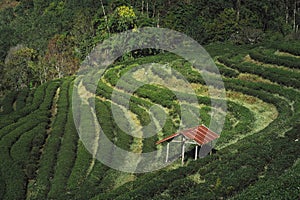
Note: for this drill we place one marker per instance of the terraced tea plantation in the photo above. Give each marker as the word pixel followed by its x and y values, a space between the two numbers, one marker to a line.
pixel 256 157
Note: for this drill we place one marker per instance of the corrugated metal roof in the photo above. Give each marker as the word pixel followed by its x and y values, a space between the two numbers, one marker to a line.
pixel 200 134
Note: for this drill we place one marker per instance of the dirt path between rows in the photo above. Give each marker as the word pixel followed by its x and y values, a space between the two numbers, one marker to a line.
pixel 48 131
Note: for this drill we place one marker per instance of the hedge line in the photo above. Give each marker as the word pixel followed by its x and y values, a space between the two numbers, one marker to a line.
pixel 256 89
pixel 49 96
pixel 38 99
pixel 83 157
pixel 159 96
pixel 254 155
pixel 274 74
pixel 28 122
pixel 241 127
pixel 226 169
pixel 277 75
pixel 243 116
pixel 149 142
pixel 286 61
pixel 34 116
pixel 12 171
pixel 79 170
pixel 227 72
pixel 13 176
pixel 96 182
pixel 78 179
pixel 142 114
pixel 142 178
pixel 105 118
pixel 277 186
pixel 124 140
pixel 245 176
pixel 269 89
pixel 289 47
pixel 65 157
pixel 21 151
pixel 136 105
pixel 47 163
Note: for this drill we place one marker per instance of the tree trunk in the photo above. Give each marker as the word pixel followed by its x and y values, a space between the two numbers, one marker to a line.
pixel 238 10
pixel 297 17
pixel 295 12
pixel 147 9
pixel 157 25
pixel 105 17
pixel 154 10
pixel 286 14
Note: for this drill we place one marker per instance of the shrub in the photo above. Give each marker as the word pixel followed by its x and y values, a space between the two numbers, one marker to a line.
pixel 21 99
pixel 289 47
pixel 7 103
pixel 65 157
pixel 276 60
pixel 50 152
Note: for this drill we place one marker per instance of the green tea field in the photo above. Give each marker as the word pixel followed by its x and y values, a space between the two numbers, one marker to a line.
pixel 256 156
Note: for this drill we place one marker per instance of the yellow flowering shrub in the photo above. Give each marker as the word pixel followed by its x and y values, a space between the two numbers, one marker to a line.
pixel 126 12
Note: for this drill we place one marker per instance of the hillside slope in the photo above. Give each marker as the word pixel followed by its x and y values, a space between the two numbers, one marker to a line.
pixel 257 154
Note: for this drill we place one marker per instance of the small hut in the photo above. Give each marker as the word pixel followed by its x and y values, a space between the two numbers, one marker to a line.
pixel 200 136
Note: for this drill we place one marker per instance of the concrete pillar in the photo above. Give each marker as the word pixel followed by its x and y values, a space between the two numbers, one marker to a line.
pixel 167 156
pixel 182 150
pixel 196 152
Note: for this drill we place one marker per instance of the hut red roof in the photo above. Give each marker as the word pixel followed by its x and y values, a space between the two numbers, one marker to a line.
pixel 200 134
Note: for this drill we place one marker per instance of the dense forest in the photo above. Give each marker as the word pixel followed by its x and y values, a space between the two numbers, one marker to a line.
pixel 42 40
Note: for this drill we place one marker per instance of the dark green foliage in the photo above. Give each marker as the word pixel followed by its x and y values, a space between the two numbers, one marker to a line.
pixel 50 154
pixel 283 186
pixel 235 173
pixel 52 147
pixel 227 173
pixel 276 60
pixel 79 170
pixel 141 113
pixel 2 186
pixel 36 24
pixel 162 96
pixel 227 71
pixel 21 151
pixel 8 102
pixel 289 47
pixel 21 99
pixel 14 175
pixel 277 75
pixel 66 156
pixel 51 92
pixel 37 100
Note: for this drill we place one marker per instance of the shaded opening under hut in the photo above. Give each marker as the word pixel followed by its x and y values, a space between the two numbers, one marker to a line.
pixel 200 136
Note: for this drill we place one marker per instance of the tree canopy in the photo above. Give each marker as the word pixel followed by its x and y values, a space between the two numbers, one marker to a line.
pixel 39 24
